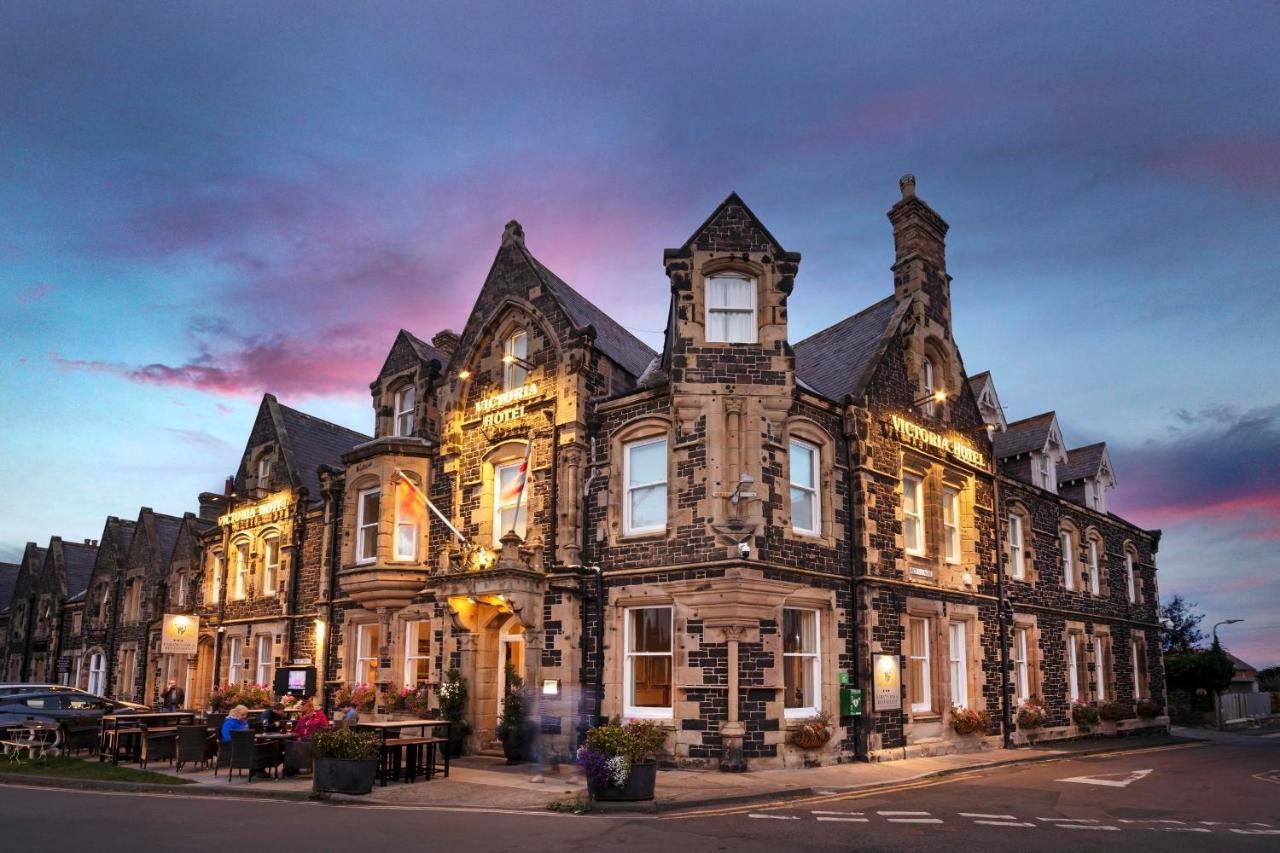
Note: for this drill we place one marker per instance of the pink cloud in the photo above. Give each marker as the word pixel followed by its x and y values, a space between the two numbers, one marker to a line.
pixel 34 294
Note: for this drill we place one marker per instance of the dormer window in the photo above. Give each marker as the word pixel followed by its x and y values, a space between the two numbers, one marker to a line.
pixel 264 471
pixel 405 400
pixel 515 354
pixel 731 309
pixel 1046 472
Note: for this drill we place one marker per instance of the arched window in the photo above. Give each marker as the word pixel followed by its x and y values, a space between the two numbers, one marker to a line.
pixel 368 512
pixel 1067 543
pixel 405 401
pixel 510 503
pixel 240 577
pixel 264 470
pixel 1018 532
pixel 97 671
pixel 515 364
pixel 1131 573
pixel 806 492
pixel 1094 551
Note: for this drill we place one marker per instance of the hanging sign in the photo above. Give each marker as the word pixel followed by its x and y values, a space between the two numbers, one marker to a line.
pixel 888 679
pixel 180 634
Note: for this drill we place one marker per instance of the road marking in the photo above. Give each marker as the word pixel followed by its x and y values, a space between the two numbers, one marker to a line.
pixel 1150 820
pixel 847 814
pixel 1084 826
pixel 1002 823
pixel 1257 831
pixel 1109 780
pixel 886 814
pixel 1069 819
pixel 844 819
pixel 988 816
pixel 773 816
pixel 1179 829
pixel 918 820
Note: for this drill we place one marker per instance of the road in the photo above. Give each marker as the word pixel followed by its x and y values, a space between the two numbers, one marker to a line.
pixel 1220 796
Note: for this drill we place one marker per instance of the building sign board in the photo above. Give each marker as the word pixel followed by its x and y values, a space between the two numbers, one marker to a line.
pixel 888 679
pixel 180 634
pixel 272 508
pixel 926 439
pixel 506 406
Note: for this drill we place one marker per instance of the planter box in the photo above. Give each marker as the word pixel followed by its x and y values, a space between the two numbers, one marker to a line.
pixel 640 785
pixel 344 775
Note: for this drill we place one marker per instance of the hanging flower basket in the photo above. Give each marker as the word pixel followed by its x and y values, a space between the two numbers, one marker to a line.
pixel 812 733
pixel 968 721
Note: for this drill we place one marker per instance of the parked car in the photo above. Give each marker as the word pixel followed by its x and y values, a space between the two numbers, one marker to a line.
pixel 10 692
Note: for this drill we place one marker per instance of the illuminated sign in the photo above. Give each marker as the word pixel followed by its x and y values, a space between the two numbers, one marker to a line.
pixel 888 689
pixel 506 406
pixel 270 509
pixel 918 436
pixel 180 634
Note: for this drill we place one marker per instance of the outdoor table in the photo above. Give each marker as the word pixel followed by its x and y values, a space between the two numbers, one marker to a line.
pixel 33 736
pixel 120 732
pixel 420 751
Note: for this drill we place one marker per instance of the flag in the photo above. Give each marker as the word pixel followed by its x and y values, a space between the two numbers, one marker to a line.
pixel 515 489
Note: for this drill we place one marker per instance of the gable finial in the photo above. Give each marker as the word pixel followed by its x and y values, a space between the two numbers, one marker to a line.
pixel 513 233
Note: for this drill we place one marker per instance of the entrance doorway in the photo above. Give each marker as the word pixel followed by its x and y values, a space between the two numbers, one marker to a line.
pixel 201 679
pixel 510 654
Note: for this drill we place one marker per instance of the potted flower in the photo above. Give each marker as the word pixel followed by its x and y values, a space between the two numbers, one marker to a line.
pixel 812 733
pixel 967 721
pixel 345 761
pixel 395 700
pixel 1084 716
pixel 418 703
pixel 619 762
pixel 511 723
pixel 1147 709
pixel 452 694
pixel 1031 716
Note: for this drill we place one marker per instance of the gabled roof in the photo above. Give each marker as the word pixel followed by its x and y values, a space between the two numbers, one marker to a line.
pixel 122 531
pixel 8 578
pixel 1029 435
pixel 1083 462
pixel 984 394
pixel 623 348
pixel 732 216
pixel 167 529
pixel 421 350
pixel 310 442
pixel 78 559
pixel 834 361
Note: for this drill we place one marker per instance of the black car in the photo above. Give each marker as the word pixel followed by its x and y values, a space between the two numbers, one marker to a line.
pixel 58 705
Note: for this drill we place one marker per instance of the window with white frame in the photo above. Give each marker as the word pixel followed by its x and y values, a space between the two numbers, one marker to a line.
pixel 1129 577
pixel 1095 569
pixel 1100 668
pixel 417 653
pixel 510 508
pixel 1067 541
pixel 1021 663
pixel 919 679
pixel 1046 472
pixel 805 498
pixel 644 506
pixel 1016 553
pixel 96 672
pixel 951 524
pixel 1073 667
pixel 215 579
pixel 366 659
pixel 515 355
pixel 235 660
pixel 406 547
pixel 405 400
pixel 648 662
pixel 240 571
pixel 801 663
pixel 270 564
pixel 368 503
pixel 959 661
pixel 264 470
pixel 76 672
pixel 265 662
pixel 927 372
pixel 912 514
pixel 1139 646
pixel 731 309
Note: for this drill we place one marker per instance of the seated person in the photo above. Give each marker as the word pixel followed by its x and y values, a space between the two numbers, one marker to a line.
pixel 311 720
pixel 237 721
pixel 273 718
pixel 351 714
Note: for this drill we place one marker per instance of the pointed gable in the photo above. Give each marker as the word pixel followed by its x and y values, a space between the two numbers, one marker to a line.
pixel 1084 463
pixel 408 351
pixel 304 443
pixel 1029 435
pixel 78 561
pixel 983 387
pixel 732 227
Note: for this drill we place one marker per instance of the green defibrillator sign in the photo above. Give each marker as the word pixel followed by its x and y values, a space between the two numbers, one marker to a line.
pixel 850 698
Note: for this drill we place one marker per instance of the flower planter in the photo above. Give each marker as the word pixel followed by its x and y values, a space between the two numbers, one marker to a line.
pixel 640 785
pixel 457 740
pixel 513 749
pixel 344 775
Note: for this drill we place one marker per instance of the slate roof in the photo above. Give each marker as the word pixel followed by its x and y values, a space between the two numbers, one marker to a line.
pixel 625 349
pixel 8 578
pixel 1082 462
pixel 78 560
pixel 833 361
pixel 1025 436
pixel 425 351
pixel 315 442
pixel 123 530
pixel 167 528
pixel 976 380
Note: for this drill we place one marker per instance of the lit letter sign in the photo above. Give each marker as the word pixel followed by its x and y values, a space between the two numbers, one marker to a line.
pixel 270 509
pixel 918 436
pixel 506 406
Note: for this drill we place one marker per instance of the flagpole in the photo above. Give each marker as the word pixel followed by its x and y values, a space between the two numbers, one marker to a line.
pixel 528 452
pixel 432 507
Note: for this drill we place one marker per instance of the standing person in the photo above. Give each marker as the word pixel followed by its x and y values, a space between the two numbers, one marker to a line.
pixel 173 697
pixel 312 720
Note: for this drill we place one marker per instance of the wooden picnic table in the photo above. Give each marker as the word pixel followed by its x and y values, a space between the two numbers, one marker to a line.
pixel 123 732
pixel 418 752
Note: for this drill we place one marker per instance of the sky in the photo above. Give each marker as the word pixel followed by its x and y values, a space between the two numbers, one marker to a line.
pixel 200 203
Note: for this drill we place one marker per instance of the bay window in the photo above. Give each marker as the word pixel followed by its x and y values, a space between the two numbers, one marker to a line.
pixel 367 511
pixel 270 564
pixel 417 653
pixel 644 505
pixel 731 309
pixel 919 679
pixel 404 410
pixel 801 663
pixel 406 521
pixel 959 660
pixel 913 514
pixel 951 525
pixel 648 662
pixel 804 488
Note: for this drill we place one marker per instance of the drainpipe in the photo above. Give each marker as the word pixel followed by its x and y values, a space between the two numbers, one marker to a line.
pixel 555 491
pixel 860 724
pixel 600 592
pixel 1004 613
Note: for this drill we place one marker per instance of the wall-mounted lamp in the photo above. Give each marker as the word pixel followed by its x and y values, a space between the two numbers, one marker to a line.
pixel 935 397
pixel 464 374
pixel 512 358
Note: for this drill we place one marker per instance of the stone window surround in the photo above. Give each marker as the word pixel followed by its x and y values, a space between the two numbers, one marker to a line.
pixel 132 609
pixel 932 611
pixel 1131 551
pixel 256 645
pixel 396 391
pixel 1075 631
pixel 729 266
pixel 1028 544
pixel 216 570
pixel 1077 565
pixel 1138 651
pixel 1101 654
pixel 260 453
pixel 399 648
pixel 946 375
pixel 1035 676
pixel 1091 534
pixel 357 490
pixel 506 451
pixel 936 476
pixel 811 433
pixel 640 429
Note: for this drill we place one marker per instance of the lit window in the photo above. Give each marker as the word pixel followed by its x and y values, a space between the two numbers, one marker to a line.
pixel 648 662
pixel 181 598
pixel 1139 667
pixel 270 565
pixel 959 661
pixel 804 488
pixel 235 660
pixel 96 673
pixel 1016 556
pixel 509 512
pixel 1068 560
pixel 645 475
pixel 951 524
pixel 1021 668
pixel 801 666
pixel 913 514
pixel 406 521
pixel 515 354
pixel 404 404
pixel 367 511
pixel 215 579
pixel 927 371
pixel 417 653
pixel 241 587
pixel 1094 568
pixel 1073 667
pixel 264 471
pixel 731 310
pixel 918 678
pixel 263 675
pixel 366 654
pixel 1129 577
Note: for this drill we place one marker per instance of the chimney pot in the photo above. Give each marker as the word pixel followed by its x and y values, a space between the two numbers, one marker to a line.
pixel 907 183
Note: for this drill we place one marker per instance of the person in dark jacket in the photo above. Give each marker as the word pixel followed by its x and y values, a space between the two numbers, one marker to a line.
pixel 273 718
pixel 173 697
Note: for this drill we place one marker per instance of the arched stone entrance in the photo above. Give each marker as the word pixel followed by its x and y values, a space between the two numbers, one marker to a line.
pixel 201 678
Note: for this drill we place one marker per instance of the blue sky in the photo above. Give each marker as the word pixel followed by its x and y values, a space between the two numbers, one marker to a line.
pixel 204 202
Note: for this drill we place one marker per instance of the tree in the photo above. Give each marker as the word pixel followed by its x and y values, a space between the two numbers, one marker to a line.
pixel 1182 633
pixel 1269 679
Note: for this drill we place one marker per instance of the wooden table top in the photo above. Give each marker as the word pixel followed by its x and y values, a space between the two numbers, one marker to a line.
pixel 397 724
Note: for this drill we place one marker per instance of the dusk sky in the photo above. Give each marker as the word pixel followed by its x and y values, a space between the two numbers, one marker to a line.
pixel 202 202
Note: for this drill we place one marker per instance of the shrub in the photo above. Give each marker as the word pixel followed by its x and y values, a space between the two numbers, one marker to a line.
pixel 967 721
pixel 1030 715
pixel 453 696
pixel 511 721
pixel 348 744
pixel 1114 712
pixel 1147 709
pixel 812 733
pixel 1084 715
pixel 610 750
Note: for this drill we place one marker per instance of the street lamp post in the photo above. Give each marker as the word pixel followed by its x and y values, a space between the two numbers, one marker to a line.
pixel 1217 696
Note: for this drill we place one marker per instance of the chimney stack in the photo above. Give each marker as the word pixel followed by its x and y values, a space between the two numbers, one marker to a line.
pixel 920 252
pixel 446 341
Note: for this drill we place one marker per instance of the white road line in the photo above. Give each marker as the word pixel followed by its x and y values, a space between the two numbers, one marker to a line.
pixel 1002 823
pixel 1069 819
pixel 1178 829
pixel 847 814
pixel 773 816
pixel 1257 831
pixel 886 814
pixel 1150 820
pixel 844 819
pixel 1087 826
pixel 922 820
pixel 988 816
